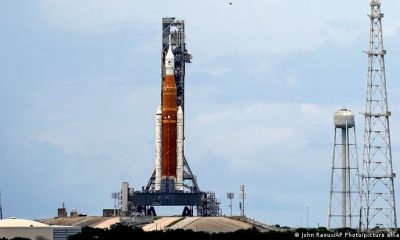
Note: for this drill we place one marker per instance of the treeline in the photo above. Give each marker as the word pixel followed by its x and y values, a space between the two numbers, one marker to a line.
pixel 17 238
pixel 125 233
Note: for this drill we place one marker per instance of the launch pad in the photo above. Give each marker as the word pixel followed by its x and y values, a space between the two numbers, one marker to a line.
pixel 167 199
pixel 143 202
pixel 172 182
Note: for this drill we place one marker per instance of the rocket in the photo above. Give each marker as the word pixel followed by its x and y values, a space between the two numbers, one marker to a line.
pixel 179 151
pixel 158 149
pixel 169 133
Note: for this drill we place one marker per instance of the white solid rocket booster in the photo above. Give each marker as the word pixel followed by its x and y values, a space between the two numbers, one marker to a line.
pixel 179 150
pixel 158 149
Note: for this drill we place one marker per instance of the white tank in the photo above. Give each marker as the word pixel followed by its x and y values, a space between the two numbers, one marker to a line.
pixel 344 117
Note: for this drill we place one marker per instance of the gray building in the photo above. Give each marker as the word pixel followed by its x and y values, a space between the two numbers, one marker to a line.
pixel 11 228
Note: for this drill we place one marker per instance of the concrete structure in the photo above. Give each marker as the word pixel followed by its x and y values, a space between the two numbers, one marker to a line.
pixel 12 228
pixel 125 199
pixel 62 211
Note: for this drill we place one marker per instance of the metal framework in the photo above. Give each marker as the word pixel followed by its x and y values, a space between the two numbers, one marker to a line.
pixel 143 202
pixel 344 194
pixel 210 206
pixel 242 196
pixel 378 209
pixel 176 30
pixel 189 179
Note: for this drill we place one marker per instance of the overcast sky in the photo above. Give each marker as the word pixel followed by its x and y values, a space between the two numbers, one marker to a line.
pixel 80 85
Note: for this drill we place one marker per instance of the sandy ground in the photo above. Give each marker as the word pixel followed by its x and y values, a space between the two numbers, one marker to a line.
pixel 182 224
pixel 160 224
pixel 217 224
pixel 107 223
pixel 206 224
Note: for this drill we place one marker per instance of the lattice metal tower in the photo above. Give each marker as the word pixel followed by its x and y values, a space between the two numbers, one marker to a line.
pixel 175 29
pixel 378 209
pixel 344 195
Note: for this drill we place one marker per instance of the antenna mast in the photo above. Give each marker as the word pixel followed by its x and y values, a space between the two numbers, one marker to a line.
pixel 378 209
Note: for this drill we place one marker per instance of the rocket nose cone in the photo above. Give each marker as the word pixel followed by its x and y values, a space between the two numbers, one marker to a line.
pixel 169 60
pixel 170 55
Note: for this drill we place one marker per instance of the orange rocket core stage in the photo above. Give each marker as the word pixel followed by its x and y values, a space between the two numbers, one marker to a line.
pixel 169 112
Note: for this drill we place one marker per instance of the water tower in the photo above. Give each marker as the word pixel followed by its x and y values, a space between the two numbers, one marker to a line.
pixel 344 195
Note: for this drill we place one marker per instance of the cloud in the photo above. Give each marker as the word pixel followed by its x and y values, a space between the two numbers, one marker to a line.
pixel 291 81
pixel 254 130
pixel 244 27
pixel 220 71
pixel 268 146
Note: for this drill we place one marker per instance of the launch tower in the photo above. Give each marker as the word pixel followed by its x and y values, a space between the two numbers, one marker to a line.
pixel 173 38
pixel 172 182
pixel 378 209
